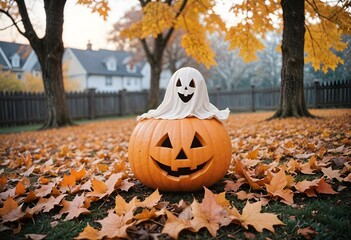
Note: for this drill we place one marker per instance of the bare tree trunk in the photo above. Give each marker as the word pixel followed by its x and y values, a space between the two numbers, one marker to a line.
pixel 153 98
pixel 49 50
pixel 292 100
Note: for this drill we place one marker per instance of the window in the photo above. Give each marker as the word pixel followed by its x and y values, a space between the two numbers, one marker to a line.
pixel 15 60
pixel 108 81
pixel 111 64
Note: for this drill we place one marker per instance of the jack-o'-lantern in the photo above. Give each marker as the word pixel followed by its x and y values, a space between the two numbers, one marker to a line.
pixel 181 145
pixel 179 155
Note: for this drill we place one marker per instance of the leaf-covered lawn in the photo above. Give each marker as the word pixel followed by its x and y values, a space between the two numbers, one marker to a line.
pixel 289 178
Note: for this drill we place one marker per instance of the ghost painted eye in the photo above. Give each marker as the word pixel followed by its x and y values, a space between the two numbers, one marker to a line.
pixel 192 83
pixel 179 84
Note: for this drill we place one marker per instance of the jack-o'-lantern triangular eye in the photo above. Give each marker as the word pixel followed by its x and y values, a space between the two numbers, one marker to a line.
pixel 179 84
pixel 197 141
pixel 165 142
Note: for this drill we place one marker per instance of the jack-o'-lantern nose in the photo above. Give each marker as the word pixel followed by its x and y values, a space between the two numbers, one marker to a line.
pixel 181 155
pixel 186 88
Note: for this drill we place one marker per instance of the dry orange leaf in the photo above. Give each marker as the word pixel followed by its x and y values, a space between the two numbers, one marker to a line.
pixel 114 226
pixel 10 211
pixel 20 189
pixel 74 208
pixel 209 214
pixel 89 233
pixel 277 185
pixel 174 225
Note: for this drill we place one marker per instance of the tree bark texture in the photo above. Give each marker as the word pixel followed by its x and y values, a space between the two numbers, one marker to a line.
pixel 292 99
pixel 49 50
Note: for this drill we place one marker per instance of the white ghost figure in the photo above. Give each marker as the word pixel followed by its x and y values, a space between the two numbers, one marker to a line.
pixel 186 96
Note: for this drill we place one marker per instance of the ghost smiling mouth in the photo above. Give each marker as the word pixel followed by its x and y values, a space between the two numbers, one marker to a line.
pixel 185 98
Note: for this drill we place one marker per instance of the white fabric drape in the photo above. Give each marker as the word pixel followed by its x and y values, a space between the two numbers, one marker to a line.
pixel 183 83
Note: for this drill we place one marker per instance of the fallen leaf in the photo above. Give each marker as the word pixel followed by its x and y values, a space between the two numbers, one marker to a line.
pixel 10 211
pixel 329 173
pixel 35 236
pixel 74 208
pixel 307 233
pixel 209 214
pixel 151 200
pixel 114 226
pixel 277 185
pixel 89 233
pixel 252 215
pixel 175 225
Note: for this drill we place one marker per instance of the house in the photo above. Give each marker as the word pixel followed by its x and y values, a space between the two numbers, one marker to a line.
pixel 19 59
pixel 104 70
pixel 107 70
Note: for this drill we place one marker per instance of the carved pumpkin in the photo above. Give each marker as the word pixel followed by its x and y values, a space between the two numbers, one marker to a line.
pixel 181 154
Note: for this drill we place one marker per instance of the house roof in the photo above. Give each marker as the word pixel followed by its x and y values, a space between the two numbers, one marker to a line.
pixel 94 62
pixel 10 49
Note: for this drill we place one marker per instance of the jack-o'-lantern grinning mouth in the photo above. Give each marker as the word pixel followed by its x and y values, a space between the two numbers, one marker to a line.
pixel 185 98
pixel 184 171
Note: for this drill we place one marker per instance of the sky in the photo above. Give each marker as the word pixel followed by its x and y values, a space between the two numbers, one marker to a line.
pixel 81 25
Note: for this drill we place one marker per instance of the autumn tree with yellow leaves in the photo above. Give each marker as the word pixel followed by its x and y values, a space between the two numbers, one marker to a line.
pixel 49 49
pixel 312 31
pixel 160 20
pixel 323 22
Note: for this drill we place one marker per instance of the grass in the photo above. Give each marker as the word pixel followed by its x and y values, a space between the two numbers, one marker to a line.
pixel 328 215
pixel 35 127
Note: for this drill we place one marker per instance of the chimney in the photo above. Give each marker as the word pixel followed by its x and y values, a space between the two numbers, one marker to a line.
pixel 89 45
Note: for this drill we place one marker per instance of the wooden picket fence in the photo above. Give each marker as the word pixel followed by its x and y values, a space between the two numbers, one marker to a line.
pixel 18 108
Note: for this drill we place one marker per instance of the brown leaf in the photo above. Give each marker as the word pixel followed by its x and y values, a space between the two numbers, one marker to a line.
pixel 329 173
pixel 114 226
pixel 174 225
pixel 277 187
pixel 307 233
pixel 209 214
pixel 324 187
pixel 74 208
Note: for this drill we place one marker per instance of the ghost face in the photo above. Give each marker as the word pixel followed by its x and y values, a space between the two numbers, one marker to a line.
pixel 185 89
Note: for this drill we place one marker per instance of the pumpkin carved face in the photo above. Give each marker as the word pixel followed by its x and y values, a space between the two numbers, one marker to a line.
pixel 179 155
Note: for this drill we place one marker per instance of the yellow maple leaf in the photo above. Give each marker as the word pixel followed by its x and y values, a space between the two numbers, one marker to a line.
pixel 252 215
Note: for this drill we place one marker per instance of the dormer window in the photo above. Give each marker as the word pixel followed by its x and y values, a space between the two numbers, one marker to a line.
pixel 15 61
pixel 111 64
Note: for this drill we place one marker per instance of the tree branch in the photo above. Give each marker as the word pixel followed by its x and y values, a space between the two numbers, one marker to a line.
pixel 148 53
pixel 171 30
pixel 29 32
pixel 14 23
